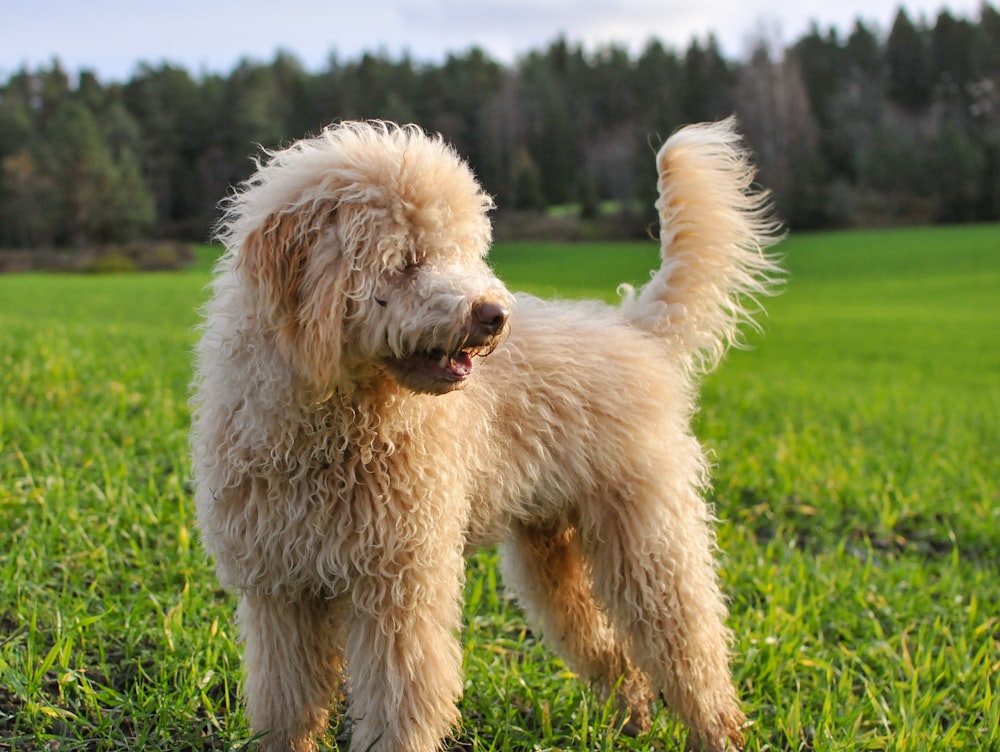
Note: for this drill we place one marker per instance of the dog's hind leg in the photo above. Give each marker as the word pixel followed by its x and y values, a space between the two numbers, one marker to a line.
pixel 544 568
pixel 294 662
pixel 651 553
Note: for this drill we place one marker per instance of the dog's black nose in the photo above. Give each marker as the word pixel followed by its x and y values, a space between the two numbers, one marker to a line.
pixel 490 317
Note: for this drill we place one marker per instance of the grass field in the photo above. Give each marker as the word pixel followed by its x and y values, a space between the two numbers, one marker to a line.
pixel 857 451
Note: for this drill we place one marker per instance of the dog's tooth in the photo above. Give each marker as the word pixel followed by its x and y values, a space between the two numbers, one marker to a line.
pixel 445 360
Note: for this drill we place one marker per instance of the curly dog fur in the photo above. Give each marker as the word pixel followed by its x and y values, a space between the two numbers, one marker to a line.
pixel 371 404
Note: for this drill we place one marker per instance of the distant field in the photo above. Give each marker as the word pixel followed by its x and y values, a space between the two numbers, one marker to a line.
pixel 857 482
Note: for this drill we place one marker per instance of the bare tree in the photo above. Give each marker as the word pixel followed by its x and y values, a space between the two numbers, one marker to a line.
pixel 776 116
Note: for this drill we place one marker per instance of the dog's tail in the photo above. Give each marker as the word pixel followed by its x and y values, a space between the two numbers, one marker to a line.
pixel 714 229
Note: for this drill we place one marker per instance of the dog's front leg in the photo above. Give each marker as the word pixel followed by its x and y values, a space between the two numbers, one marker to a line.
pixel 403 651
pixel 293 657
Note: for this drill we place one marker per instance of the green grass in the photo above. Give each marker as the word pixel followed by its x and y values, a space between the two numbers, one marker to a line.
pixel 857 483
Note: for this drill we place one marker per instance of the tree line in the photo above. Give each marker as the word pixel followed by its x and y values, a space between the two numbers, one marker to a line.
pixel 862 129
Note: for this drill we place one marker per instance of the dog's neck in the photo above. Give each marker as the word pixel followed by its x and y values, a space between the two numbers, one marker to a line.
pixel 376 394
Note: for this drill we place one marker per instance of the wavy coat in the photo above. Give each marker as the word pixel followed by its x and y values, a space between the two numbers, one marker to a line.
pixel 371 404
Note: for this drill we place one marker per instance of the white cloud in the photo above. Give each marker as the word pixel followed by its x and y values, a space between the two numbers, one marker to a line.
pixel 113 35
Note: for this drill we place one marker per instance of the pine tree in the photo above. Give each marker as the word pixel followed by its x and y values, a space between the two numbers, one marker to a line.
pixel 909 64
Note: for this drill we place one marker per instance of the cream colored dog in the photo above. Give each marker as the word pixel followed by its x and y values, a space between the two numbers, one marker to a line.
pixel 372 404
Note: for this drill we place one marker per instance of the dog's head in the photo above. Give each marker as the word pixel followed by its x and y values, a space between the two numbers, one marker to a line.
pixel 363 252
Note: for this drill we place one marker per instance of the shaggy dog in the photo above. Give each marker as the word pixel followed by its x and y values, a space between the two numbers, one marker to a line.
pixel 372 404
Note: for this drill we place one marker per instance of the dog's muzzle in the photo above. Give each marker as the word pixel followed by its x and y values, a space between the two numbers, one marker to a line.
pixel 439 370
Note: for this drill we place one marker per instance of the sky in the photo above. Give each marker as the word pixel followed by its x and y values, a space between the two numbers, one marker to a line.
pixel 111 37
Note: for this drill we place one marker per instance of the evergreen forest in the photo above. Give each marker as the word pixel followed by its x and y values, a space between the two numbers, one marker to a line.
pixel 872 128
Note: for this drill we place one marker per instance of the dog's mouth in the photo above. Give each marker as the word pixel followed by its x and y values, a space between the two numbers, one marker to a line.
pixel 456 366
pixel 435 371
pixel 437 366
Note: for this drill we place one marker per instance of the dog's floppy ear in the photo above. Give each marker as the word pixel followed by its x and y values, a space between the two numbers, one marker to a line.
pixel 300 288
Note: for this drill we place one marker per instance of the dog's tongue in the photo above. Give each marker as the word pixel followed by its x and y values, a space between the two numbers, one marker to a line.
pixel 460 363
